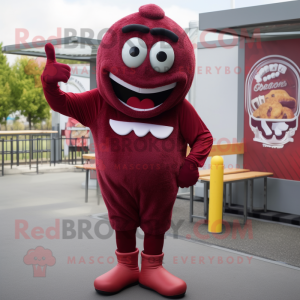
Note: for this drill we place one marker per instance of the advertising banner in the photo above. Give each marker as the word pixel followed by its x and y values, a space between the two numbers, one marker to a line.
pixel 271 134
pixel 76 133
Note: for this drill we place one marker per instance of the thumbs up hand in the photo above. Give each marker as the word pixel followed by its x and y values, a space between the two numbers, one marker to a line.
pixel 54 71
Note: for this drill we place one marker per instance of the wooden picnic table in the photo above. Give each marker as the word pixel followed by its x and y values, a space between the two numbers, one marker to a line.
pixel 89 156
pixel 204 174
pixel 229 178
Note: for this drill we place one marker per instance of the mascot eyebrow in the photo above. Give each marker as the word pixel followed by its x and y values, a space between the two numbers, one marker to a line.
pixel 154 31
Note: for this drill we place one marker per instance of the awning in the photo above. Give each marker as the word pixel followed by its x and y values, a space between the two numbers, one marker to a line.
pixel 73 48
pixel 268 20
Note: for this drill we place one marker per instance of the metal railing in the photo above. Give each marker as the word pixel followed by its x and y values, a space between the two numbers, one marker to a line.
pixel 40 149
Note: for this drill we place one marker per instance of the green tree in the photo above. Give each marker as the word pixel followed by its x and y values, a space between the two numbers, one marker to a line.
pixel 28 95
pixel 6 106
pixel 17 125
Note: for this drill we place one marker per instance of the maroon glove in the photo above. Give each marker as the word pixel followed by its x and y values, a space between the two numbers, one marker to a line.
pixel 188 174
pixel 54 71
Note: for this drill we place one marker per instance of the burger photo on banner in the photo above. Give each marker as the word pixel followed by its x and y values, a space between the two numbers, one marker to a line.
pixel 272 100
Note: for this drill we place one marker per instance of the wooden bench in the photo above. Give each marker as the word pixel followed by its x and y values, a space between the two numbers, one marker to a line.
pixel 243 175
pixel 87 168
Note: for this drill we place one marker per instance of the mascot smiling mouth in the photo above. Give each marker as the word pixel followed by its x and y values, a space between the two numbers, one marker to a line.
pixel 140 99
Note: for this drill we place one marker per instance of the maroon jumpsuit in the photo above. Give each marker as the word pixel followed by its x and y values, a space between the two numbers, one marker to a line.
pixel 137 175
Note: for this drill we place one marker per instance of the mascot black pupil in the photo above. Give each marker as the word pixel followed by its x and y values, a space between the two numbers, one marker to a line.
pixel 134 51
pixel 161 56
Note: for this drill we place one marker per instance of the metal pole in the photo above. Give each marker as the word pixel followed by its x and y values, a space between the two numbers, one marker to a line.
pixel 54 151
pixel 65 158
pixel 25 149
pixel 30 149
pixel 72 152
pixel 191 203
pixel 251 195
pixel 245 201
pixel 82 150
pixel 75 153
pixel 37 155
pixel 230 194
pixel 69 152
pixel 11 153
pixel 58 135
pixel 86 185
pixel 265 194
pixel 224 197
pixel 42 149
pixel 205 199
pixel 2 157
pixel 61 148
pixel 17 150
pixel 50 150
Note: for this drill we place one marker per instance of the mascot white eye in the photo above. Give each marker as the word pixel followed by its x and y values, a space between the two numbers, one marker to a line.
pixel 134 52
pixel 162 57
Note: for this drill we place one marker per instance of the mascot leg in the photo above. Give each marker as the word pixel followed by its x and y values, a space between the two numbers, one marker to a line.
pixel 156 218
pixel 126 272
pixel 154 276
pixel 126 241
pixel 153 244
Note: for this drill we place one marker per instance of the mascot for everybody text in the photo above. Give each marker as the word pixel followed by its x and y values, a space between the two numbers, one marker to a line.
pixel 145 67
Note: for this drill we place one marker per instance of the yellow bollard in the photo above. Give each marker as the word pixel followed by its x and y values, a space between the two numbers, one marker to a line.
pixel 216 195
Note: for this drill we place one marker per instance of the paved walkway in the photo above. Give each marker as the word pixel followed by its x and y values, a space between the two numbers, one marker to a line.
pixel 36 201
pixel 42 168
pixel 275 241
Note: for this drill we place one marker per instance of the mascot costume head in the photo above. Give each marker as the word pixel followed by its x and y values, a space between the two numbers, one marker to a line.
pixel 145 61
pixel 141 124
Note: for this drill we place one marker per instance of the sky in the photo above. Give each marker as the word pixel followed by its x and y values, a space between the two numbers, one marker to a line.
pixel 47 18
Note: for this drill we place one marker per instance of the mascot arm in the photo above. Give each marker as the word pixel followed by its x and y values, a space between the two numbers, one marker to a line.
pixel 84 107
pixel 196 134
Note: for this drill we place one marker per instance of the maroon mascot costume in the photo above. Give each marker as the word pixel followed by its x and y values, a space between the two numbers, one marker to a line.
pixel 141 125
